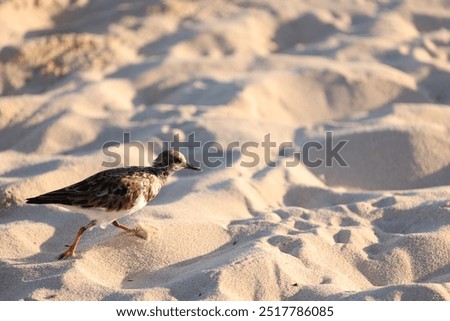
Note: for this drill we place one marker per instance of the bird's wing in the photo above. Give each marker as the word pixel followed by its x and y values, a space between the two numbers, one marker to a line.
pixel 108 190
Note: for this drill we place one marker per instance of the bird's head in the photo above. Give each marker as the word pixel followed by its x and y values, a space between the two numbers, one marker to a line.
pixel 173 160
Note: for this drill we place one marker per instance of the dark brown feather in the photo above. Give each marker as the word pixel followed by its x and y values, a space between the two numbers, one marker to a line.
pixel 114 189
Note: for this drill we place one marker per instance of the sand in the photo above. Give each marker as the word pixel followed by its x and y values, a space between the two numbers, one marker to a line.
pixel 77 74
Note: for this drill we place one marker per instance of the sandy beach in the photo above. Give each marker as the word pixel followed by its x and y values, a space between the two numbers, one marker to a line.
pixel 263 224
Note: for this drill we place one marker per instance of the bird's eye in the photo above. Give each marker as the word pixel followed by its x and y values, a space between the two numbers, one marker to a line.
pixel 178 160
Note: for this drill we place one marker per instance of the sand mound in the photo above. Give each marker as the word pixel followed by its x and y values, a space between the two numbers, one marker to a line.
pixel 399 153
pixel 42 62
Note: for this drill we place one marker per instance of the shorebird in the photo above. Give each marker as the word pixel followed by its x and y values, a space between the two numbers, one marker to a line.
pixel 114 193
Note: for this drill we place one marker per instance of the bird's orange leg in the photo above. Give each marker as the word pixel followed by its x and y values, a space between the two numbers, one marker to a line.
pixel 123 227
pixel 71 250
pixel 139 232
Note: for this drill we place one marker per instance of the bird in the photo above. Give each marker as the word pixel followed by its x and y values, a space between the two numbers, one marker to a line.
pixel 114 193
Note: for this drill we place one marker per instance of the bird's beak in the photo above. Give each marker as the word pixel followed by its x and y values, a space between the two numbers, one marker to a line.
pixel 193 167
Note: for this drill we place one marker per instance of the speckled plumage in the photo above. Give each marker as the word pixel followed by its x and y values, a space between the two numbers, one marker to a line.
pixel 114 193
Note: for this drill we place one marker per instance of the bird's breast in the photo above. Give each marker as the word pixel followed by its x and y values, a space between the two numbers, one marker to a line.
pixel 153 189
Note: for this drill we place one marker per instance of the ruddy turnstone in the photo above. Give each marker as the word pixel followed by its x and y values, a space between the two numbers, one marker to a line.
pixel 114 193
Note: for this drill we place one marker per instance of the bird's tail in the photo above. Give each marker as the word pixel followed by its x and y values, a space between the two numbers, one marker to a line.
pixel 39 200
pixel 50 198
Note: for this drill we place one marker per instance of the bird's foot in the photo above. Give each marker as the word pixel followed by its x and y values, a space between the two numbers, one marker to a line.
pixel 139 232
pixel 66 254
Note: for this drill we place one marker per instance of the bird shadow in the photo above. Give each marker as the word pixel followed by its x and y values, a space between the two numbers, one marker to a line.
pixel 194 278
pixel 189 279
pixel 64 225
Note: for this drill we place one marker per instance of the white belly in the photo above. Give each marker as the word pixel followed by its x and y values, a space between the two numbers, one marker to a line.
pixel 103 217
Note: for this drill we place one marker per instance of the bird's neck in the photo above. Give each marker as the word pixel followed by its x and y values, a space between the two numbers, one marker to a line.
pixel 166 172
pixel 163 171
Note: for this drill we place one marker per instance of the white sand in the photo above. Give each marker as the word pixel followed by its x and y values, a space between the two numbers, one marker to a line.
pixel 74 76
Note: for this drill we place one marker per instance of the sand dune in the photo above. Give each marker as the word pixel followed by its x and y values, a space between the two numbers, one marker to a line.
pixel 77 74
